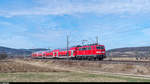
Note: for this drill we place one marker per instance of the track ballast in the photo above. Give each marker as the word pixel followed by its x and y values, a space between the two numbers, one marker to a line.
pixel 102 61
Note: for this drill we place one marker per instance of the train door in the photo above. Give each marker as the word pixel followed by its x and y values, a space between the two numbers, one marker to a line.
pixel 53 54
pixel 57 54
pixel 72 52
pixel 87 51
pixel 43 55
pixel 80 51
pixel 92 50
pixel 84 51
pixel 75 52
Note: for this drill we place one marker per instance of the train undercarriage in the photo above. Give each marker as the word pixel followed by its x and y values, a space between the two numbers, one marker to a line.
pixel 96 57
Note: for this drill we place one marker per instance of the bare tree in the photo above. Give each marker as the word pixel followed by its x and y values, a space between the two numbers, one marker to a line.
pixel 3 56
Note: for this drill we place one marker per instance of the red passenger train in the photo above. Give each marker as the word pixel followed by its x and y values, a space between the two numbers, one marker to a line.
pixel 92 51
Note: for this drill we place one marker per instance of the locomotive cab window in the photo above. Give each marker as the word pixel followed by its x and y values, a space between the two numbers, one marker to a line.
pixel 99 47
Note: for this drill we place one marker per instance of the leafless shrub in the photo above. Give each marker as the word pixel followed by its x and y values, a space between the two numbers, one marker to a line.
pixel 3 56
pixel 140 71
pixel 129 66
pixel 99 65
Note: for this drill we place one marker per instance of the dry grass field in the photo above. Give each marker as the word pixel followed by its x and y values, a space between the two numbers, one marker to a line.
pixel 29 70
pixel 128 59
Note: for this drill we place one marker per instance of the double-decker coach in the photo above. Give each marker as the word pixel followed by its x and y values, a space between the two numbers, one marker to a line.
pixel 92 51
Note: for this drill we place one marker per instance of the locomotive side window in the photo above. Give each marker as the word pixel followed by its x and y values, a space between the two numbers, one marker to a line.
pixel 83 48
pixel 99 47
pixel 87 48
pixel 80 49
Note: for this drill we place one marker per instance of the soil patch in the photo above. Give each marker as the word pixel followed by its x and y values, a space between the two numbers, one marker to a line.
pixel 97 66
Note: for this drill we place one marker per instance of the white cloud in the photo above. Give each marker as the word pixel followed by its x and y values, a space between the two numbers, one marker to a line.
pixel 51 32
pixel 16 42
pixel 71 7
pixel 14 28
pixel 55 38
pixel 49 35
pixel 146 31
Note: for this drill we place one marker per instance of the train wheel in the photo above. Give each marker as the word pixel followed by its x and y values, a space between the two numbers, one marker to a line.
pixel 89 58
pixel 85 58
pixel 71 58
pixel 100 58
pixel 81 58
pixel 77 58
pixel 94 59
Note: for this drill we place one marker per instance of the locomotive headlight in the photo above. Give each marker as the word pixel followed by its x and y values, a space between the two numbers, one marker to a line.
pixel 98 52
pixel 103 52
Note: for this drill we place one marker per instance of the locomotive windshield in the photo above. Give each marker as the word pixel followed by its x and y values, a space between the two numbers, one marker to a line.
pixel 99 47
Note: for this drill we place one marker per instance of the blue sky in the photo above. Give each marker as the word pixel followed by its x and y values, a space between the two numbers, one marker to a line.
pixel 45 23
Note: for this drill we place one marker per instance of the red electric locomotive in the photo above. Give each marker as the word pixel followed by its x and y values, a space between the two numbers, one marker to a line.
pixel 92 51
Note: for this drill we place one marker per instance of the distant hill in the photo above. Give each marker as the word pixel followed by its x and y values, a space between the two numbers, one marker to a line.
pixel 130 52
pixel 12 52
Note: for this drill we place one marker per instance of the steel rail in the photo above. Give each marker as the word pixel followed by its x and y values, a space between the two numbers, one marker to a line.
pixel 102 61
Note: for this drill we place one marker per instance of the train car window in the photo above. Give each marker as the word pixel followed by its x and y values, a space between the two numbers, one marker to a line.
pixel 86 48
pixel 83 48
pixel 89 48
pixel 99 47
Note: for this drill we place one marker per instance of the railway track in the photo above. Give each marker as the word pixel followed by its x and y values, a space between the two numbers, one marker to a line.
pixel 145 63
